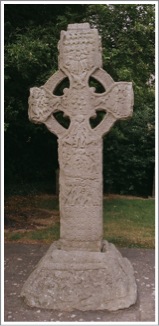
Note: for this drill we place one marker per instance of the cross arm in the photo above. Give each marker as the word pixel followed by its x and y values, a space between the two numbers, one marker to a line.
pixel 117 101
pixel 42 105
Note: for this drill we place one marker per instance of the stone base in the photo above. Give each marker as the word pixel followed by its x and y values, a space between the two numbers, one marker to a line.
pixel 68 280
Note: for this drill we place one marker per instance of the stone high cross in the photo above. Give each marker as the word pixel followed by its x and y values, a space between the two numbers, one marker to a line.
pixel 80 146
pixel 80 271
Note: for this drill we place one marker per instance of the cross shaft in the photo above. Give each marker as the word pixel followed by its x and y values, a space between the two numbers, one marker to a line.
pixel 80 146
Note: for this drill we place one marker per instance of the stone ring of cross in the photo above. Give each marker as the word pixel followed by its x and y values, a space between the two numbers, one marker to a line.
pixel 79 61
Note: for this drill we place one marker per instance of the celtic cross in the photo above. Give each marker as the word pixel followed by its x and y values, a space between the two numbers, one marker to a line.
pixel 80 145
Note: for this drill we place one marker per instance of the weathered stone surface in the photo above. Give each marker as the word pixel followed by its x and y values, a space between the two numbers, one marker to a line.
pixel 80 271
pixel 67 280
pixel 80 146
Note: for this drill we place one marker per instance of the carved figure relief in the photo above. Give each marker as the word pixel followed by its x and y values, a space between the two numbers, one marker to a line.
pixel 80 146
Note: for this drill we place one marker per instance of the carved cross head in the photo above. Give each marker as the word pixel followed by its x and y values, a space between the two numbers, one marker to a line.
pixel 80 57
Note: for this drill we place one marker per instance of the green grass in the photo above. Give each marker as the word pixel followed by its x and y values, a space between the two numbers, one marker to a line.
pixel 45 235
pixel 130 223
pixel 14 236
pixel 126 223
pixel 49 234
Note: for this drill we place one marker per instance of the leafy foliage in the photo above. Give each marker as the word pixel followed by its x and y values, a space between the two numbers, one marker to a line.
pixel 31 35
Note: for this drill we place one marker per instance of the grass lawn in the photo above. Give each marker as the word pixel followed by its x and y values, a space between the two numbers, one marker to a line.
pixel 130 222
pixel 126 222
